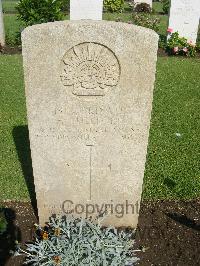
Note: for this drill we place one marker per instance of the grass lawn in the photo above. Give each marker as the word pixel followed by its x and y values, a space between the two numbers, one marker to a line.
pixel 12 114
pixel 124 17
pixel 9 6
pixel 12 26
pixel 173 167
pixel 157 7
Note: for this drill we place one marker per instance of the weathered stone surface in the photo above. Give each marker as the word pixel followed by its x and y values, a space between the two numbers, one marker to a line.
pixel 2 34
pixel 89 90
pixel 86 9
pixel 184 18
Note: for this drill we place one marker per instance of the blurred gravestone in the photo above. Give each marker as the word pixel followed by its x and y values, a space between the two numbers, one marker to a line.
pixel 2 34
pixel 86 9
pixel 184 18
pixel 89 90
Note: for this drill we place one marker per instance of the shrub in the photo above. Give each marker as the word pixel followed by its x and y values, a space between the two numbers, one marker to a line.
pixel 39 11
pixel 69 241
pixel 113 5
pixel 162 41
pixel 166 6
pixel 146 20
pixel 198 46
pixel 143 7
pixel 3 222
pixel 177 45
pixel 13 39
pixel 66 6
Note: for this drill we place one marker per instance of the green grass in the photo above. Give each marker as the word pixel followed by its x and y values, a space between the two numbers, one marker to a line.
pixel 124 17
pixel 172 169
pixel 163 24
pixel 11 23
pixel 173 165
pixel 157 7
pixel 9 6
pixel 12 26
pixel 12 115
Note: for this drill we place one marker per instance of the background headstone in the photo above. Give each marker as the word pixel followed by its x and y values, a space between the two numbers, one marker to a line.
pixel 184 18
pixel 143 1
pixel 86 9
pixel 2 34
pixel 89 90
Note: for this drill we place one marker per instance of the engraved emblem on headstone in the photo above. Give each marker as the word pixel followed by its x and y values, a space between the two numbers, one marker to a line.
pixel 90 69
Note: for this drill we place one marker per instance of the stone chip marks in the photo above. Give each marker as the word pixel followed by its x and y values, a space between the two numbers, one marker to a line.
pixel 89 90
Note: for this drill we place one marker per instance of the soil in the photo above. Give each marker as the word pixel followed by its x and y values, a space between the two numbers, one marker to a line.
pixel 161 52
pixel 10 50
pixel 168 233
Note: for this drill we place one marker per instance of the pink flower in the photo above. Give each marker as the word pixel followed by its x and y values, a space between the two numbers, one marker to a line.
pixel 170 30
pixel 185 49
pixel 176 49
pixel 191 43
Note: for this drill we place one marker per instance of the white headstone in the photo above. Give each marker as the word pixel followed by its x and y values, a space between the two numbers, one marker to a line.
pixel 144 1
pixel 2 34
pixel 86 9
pixel 89 91
pixel 184 18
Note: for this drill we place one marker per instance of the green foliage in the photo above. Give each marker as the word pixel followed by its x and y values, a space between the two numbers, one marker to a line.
pixel 166 6
pixel 3 222
pixel 146 20
pixel 143 7
pixel 70 241
pixel 198 46
pixel 177 45
pixel 13 39
pixel 39 11
pixel 162 41
pixel 10 38
pixel 66 6
pixel 113 5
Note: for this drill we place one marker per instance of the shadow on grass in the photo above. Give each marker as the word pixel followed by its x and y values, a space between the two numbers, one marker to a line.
pixel 21 139
pixel 8 239
pixel 182 219
pixel 169 183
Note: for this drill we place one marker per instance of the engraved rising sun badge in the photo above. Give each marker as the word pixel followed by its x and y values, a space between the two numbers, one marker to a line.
pixel 91 69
